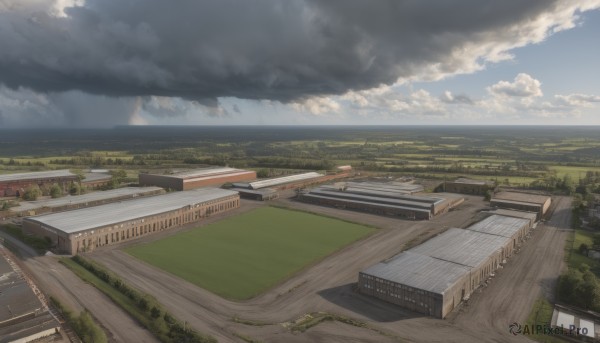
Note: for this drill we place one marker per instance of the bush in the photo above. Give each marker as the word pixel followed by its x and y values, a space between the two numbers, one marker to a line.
pixel 32 193
pixel 583 248
pixel 56 191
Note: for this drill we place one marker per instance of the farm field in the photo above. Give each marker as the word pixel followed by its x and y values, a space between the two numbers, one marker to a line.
pixel 240 257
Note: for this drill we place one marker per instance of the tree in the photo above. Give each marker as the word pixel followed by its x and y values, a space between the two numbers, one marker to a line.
pixel 32 193
pixel 590 200
pixel 583 248
pixel 5 206
pixel 488 195
pixel 56 191
pixel 75 189
pixel 577 200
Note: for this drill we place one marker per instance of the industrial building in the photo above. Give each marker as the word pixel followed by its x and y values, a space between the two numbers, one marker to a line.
pixel 263 194
pixel 93 227
pixel 531 216
pixel 468 186
pixel 23 316
pixel 96 180
pixel 380 198
pixel 436 276
pixel 522 202
pixel 584 324
pixel 392 188
pixel 16 184
pixel 71 202
pixel 190 179
pixel 284 182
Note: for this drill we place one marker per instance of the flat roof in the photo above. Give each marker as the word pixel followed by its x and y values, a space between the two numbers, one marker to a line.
pixel 387 186
pixel 506 201
pixel 521 197
pixel 85 198
pixel 109 214
pixel 466 247
pixel 16 297
pixel 500 225
pixel 91 177
pixel 472 182
pixel 372 199
pixel 50 174
pixel 419 271
pixel 284 179
pixel 216 175
pixel 309 195
pixel 262 191
pixel 532 216
pixel 202 172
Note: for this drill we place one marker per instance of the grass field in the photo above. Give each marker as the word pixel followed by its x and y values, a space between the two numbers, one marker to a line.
pixel 242 256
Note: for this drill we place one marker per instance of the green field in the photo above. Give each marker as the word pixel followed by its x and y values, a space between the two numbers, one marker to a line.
pixel 242 256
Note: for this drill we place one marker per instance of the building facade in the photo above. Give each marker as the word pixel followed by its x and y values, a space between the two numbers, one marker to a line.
pixel 191 179
pixel 91 228
pixel 16 184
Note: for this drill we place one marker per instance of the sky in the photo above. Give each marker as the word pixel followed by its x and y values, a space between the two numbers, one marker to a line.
pixel 101 63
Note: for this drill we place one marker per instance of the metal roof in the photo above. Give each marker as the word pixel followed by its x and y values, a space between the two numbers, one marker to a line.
pixel 394 195
pixel 51 174
pixel 522 197
pixel 262 191
pixel 92 177
pixel 531 216
pixel 427 211
pixel 472 182
pixel 203 173
pixel 500 225
pixel 419 271
pixel 236 172
pixel 284 180
pixel 109 214
pixel 371 199
pixel 85 198
pixel 387 187
pixel 503 201
pixel 466 247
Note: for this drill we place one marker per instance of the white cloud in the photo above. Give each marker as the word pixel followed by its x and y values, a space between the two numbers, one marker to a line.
pixel 523 86
pixel 584 100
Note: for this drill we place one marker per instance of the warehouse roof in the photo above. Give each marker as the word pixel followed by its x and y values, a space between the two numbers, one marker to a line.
pixel 283 180
pixel 395 195
pixel 465 247
pixel 522 197
pixel 203 173
pixel 500 225
pixel 472 182
pixel 387 187
pixel 372 199
pixel 531 216
pixel 51 174
pixel 93 177
pixel 16 297
pixel 419 271
pixel 86 198
pixel 414 209
pixel 506 201
pixel 104 215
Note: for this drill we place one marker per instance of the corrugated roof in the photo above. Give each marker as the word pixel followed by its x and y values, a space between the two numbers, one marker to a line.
pixel 414 209
pixel 393 195
pixel 472 182
pixel 521 197
pixel 419 271
pixel 284 180
pixel 371 199
pixel 203 173
pixel 93 177
pixel 85 198
pixel 500 225
pixel 504 201
pixel 109 214
pixel 216 175
pixel 387 187
pixel 531 216
pixel 51 174
pixel 466 247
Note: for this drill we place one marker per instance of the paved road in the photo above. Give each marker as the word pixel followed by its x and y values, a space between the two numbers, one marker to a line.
pixel 56 280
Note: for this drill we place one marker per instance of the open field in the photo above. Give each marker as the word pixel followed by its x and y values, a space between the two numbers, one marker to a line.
pixel 262 248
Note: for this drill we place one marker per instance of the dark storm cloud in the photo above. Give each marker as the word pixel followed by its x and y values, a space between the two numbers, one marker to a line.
pixel 260 49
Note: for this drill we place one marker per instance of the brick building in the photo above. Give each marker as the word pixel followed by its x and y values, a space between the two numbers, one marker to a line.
pixel 90 228
pixel 186 180
pixel 15 184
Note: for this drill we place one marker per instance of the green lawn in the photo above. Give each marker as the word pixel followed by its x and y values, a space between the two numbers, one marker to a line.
pixel 242 256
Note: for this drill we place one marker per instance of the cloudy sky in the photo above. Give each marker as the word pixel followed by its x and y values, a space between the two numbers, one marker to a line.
pixel 100 63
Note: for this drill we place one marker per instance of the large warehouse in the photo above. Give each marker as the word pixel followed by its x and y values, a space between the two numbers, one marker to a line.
pixel 468 186
pixel 380 199
pixel 522 202
pixel 190 179
pixel 15 184
pixel 283 182
pixel 89 228
pixel 434 277
pixel 72 202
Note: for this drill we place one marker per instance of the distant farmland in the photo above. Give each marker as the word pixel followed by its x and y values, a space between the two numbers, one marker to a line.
pixel 242 256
